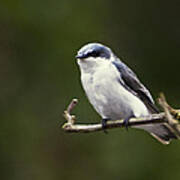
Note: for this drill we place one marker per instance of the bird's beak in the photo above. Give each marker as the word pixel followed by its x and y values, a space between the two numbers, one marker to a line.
pixel 80 56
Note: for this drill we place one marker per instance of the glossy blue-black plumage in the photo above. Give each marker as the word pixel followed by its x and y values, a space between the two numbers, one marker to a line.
pixel 94 50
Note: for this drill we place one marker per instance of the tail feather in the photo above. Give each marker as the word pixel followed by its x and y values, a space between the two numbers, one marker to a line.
pixel 162 132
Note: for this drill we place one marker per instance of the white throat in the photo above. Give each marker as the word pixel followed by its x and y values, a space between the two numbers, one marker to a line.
pixel 90 65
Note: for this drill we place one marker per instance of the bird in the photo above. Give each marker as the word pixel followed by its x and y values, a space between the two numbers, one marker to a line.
pixel 115 91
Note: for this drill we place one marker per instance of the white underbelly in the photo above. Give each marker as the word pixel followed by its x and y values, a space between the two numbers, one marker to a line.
pixel 110 99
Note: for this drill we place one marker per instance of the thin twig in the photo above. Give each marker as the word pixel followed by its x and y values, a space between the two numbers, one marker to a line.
pixel 85 128
pixel 169 113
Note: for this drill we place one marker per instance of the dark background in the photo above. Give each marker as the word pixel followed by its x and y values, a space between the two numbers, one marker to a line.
pixel 39 77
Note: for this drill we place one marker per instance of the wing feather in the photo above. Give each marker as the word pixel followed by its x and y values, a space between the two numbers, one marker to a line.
pixel 133 84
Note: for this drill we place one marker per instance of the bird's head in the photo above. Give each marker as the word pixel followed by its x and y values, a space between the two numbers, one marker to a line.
pixel 93 52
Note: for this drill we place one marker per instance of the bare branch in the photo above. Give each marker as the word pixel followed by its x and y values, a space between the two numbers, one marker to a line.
pixel 165 117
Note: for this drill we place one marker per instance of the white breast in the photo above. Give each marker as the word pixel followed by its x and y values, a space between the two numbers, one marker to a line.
pixel 110 99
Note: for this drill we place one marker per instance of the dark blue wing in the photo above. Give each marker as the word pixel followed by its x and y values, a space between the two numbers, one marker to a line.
pixel 132 83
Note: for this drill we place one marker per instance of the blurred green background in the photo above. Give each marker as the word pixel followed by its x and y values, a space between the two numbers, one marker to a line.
pixel 39 77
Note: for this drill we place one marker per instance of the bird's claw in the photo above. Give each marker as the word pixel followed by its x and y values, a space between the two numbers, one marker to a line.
pixel 104 123
pixel 126 123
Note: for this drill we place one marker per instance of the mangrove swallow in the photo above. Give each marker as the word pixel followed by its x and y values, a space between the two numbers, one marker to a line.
pixel 115 91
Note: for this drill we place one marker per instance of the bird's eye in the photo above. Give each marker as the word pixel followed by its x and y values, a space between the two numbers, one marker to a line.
pixel 95 54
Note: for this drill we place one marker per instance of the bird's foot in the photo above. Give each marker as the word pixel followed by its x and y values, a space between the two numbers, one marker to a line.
pixel 126 121
pixel 104 123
